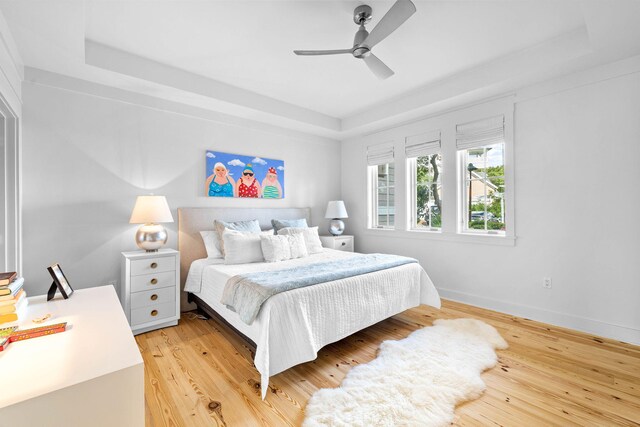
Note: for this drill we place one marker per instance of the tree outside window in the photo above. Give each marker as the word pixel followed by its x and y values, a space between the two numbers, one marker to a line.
pixel 428 190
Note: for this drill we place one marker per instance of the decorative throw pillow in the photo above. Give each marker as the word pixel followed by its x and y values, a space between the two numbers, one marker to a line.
pixel 252 226
pixel 211 243
pixel 311 237
pixel 242 247
pixel 298 247
pixel 275 248
pixel 282 223
pixel 281 248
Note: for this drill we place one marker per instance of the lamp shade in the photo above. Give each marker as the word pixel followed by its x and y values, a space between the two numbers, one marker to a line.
pixel 336 209
pixel 151 210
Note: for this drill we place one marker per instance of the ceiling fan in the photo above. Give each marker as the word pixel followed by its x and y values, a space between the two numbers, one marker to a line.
pixel 364 40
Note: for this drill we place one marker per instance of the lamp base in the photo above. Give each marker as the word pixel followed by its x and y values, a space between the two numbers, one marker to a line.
pixel 151 237
pixel 336 227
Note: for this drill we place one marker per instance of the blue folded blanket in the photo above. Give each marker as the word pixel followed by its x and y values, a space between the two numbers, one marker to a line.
pixel 245 293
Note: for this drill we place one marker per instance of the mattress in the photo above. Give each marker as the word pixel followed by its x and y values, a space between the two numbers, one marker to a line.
pixel 292 326
pixel 211 293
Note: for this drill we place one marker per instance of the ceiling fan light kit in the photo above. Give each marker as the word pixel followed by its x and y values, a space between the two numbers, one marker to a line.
pixel 364 40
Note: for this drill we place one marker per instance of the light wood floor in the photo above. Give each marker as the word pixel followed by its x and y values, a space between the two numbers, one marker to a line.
pixel 200 373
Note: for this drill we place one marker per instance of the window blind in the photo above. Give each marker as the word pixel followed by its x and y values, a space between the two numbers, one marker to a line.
pixel 424 144
pixel 482 132
pixel 380 154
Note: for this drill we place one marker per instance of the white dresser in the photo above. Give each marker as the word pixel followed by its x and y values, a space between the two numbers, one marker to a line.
pixel 150 292
pixel 92 374
pixel 341 243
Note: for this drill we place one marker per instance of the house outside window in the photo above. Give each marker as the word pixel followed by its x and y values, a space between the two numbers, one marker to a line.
pixel 385 207
pixel 382 178
pixel 481 151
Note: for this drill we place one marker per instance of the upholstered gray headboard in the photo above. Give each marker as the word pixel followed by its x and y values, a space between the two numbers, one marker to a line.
pixel 193 220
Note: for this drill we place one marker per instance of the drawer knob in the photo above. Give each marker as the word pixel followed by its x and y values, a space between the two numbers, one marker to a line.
pixel 154 297
pixel 154 312
pixel 344 243
pixel 154 265
pixel 154 281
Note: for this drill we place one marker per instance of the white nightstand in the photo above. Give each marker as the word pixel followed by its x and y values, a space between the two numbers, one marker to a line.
pixel 341 243
pixel 150 291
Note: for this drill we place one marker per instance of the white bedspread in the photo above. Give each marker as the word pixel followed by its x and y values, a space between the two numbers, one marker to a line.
pixel 292 326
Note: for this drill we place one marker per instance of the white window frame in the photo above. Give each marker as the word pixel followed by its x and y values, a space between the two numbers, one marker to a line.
pixel 452 210
pixel 373 197
pixel 463 195
pixel 412 168
pixel 503 107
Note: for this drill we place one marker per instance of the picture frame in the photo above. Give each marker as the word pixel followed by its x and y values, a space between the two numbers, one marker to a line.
pixel 242 176
pixel 60 282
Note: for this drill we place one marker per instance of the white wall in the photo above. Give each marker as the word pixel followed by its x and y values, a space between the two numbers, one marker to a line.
pixel 577 210
pixel 86 158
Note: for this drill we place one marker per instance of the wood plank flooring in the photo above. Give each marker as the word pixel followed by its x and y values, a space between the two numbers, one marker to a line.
pixel 200 373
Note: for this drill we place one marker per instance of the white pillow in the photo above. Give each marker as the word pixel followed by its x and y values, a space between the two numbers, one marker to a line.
pixel 252 226
pixel 298 247
pixel 211 243
pixel 311 237
pixel 280 248
pixel 242 247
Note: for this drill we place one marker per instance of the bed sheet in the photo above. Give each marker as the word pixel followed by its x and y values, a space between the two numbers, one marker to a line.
pixel 292 326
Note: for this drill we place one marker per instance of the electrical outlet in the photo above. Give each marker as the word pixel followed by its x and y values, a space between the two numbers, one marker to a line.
pixel 546 282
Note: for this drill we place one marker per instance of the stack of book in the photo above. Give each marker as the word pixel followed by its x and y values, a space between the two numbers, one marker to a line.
pixel 13 299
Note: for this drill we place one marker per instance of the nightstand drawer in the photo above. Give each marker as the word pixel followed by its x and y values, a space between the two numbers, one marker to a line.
pixel 340 243
pixel 152 313
pixel 153 281
pixel 343 244
pixel 153 297
pixel 152 265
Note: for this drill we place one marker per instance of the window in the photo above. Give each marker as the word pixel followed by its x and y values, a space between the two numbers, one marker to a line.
pixel 427 209
pixel 380 159
pixel 453 180
pixel 481 150
pixel 425 167
pixel 384 216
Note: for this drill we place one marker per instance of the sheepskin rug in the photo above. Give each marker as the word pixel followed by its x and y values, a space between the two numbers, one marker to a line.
pixel 416 381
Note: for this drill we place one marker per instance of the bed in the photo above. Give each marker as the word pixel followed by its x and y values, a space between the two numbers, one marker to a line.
pixel 292 326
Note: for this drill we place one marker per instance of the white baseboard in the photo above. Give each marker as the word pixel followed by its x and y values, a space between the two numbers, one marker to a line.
pixel 597 327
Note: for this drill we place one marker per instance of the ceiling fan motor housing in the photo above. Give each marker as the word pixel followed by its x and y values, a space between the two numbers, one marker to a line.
pixel 360 50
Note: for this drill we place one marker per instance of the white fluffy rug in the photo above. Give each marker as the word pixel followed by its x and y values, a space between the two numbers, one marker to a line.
pixel 416 381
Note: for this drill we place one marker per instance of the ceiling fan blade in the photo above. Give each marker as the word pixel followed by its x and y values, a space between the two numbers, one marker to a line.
pixel 322 52
pixel 378 67
pixel 399 12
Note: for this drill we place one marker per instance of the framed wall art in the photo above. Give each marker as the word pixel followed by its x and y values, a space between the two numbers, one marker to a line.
pixel 234 175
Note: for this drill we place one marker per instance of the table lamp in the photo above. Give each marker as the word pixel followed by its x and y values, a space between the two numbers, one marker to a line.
pixel 335 211
pixel 151 211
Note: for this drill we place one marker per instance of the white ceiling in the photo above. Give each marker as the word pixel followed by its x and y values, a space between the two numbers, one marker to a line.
pixel 248 45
